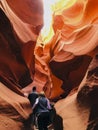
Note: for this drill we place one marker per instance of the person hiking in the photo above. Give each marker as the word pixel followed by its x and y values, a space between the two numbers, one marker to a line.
pixel 41 107
pixel 32 97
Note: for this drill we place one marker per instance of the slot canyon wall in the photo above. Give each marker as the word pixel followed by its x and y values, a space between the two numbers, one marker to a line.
pixel 20 24
pixel 66 67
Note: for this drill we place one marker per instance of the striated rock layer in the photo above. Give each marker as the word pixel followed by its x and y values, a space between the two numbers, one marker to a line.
pixel 63 61
pixel 20 24
pixel 80 111
pixel 59 67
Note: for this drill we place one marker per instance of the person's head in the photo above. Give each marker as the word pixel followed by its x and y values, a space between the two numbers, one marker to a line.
pixel 42 94
pixel 34 88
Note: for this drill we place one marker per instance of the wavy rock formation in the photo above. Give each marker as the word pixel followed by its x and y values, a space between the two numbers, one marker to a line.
pixel 64 60
pixel 80 111
pixel 65 67
pixel 20 24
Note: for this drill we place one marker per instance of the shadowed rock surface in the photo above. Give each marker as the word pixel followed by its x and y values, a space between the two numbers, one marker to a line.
pixel 65 67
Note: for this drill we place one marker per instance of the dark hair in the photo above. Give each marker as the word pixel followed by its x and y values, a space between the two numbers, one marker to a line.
pixel 34 88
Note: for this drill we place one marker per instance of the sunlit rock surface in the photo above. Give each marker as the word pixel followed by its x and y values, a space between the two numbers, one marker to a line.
pixel 68 54
pixel 58 67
